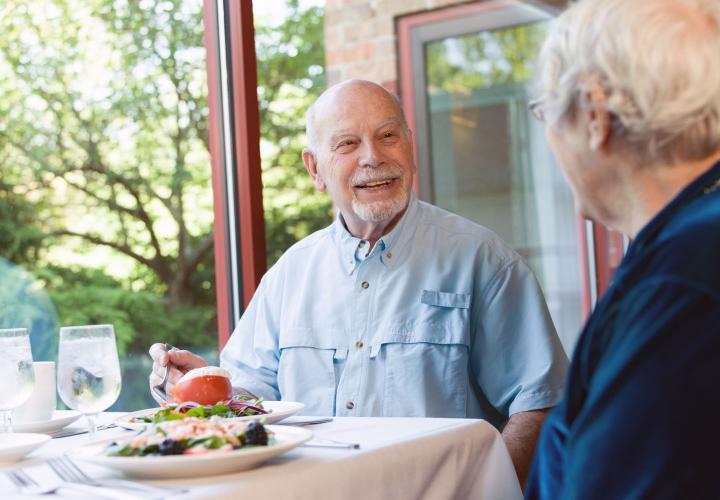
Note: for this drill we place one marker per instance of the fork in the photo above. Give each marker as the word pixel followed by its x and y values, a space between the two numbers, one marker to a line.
pixel 68 471
pixel 159 390
pixel 28 486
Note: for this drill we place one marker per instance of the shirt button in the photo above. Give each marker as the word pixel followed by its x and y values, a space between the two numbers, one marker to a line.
pixel 365 284
pixel 359 344
pixel 388 255
pixel 349 405
pixel 361 244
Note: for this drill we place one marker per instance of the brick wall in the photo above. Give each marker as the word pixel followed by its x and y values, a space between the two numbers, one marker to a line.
pixel 360 36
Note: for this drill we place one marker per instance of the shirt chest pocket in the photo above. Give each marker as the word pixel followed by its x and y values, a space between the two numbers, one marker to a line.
pixel 426 358
pixel 305 370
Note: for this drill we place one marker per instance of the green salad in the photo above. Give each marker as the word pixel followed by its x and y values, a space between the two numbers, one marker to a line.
pixel 238 406
pixel 193 436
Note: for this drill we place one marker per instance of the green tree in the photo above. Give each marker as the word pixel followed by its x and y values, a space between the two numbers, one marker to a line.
pixel 485 59
pixel 107 117
pixel 104 144
pixel 291 58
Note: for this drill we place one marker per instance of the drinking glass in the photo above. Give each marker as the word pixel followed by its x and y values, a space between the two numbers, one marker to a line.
pixel 17 377
pixel 88 370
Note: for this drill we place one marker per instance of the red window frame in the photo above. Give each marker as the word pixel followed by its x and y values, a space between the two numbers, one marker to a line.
pixel 239 226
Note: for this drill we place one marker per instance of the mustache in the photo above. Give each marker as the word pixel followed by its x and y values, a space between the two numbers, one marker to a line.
pixel 367 176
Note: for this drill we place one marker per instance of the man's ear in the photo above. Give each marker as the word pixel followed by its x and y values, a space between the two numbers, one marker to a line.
pixel 597 118
pixel 310 162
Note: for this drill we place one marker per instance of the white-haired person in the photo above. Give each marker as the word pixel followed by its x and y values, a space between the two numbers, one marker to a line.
pixel 398 308
pixel 630 95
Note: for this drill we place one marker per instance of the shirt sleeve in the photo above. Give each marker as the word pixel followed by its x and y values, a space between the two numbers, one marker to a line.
pixel 517 358
pixel 648 426
pixel 251 355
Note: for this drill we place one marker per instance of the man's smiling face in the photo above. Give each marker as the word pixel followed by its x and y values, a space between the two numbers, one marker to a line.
pixel 363 153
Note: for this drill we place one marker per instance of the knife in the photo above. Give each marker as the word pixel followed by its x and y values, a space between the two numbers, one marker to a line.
pixel 74 432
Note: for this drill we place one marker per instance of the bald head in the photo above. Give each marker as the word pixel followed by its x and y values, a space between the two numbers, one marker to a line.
pixel 331 102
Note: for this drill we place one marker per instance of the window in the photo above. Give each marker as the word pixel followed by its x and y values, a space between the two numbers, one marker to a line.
pixel 465 73
pixel 111 208
pixel 105 174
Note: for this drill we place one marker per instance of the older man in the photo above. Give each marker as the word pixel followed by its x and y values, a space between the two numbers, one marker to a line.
pixel 630 92
pixel 398 308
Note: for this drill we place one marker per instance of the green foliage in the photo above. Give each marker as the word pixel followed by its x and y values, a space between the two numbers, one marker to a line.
pixel 485 59
pixel 106 123
pixel 86 296
pixel 291 76
pixel 105 193
pixel 20 236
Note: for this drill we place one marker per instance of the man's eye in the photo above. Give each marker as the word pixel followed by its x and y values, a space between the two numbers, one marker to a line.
pixel 344 144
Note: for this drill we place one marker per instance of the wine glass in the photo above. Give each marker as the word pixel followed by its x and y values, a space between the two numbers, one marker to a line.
pixel 17 377
pixel 88 370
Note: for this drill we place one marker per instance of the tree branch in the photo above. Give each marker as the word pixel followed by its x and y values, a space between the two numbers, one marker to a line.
pixel 125 249
pixel 198 252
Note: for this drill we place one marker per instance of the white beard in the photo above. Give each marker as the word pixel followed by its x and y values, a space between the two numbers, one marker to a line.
pixel 381 210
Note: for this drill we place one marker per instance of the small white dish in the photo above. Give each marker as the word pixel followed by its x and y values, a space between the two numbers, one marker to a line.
pixel 60 419
pixel 278 410
pixel 184 466
pixel 15 445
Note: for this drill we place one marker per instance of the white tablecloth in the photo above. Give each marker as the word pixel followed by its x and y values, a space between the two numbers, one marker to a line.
pixel 399 458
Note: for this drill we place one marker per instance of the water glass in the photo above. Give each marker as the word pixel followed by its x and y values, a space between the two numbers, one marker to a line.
pixel 88 370
pixel 17 377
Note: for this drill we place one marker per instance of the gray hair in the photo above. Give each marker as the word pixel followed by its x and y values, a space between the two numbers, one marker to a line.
pixel 657 63
pixel 310 129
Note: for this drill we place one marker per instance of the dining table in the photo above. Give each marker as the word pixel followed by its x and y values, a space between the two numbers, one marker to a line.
pixel 396 458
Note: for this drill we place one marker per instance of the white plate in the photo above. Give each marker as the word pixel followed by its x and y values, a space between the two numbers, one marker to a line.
pixel 183 466
pixel 14 446
pixel 60 419
pixel 279 410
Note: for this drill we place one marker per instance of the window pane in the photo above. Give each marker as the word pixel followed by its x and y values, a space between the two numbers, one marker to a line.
pixel 490 161
pixel 289 41
pixel 106 173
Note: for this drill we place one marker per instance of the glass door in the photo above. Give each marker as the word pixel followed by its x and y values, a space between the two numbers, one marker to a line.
pixel 481 155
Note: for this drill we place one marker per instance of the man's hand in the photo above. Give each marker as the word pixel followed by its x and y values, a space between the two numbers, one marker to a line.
pixel 520 435
pixel 181 362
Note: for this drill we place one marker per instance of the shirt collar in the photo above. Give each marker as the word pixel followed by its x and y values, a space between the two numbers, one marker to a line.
pixel 352 250
pixel 705 183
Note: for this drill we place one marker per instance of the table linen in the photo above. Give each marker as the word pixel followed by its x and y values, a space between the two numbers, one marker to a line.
pixel 399 458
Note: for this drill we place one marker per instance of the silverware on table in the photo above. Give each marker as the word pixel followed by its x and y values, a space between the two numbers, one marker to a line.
pixel 29 486
pixel 302 423
pixel 74 432
pixel 25 484
pixel 317 442
pixel 68 471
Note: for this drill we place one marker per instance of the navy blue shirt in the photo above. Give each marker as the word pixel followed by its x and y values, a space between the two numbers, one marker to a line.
pixel 640 417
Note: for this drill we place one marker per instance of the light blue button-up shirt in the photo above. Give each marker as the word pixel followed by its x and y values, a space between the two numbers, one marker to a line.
pixel 440 319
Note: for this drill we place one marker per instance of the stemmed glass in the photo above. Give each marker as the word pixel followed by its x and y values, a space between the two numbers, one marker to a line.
pixel 17 377
pixel 88 370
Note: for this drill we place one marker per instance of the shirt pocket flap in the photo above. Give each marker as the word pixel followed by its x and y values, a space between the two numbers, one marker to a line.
pixel 446 299
pixel 420 332
pixel 312 338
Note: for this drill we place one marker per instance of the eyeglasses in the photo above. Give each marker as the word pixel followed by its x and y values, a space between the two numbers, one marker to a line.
pixel 536 108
